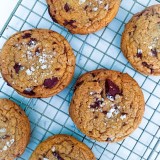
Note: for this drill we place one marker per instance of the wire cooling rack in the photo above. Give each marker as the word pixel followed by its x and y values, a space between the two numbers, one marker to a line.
pixel 99 50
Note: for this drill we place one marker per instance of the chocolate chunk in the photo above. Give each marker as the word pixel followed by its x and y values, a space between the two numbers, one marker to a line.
pixel 152 70
pixel 8 84
pixel 51 82
pixel 154 52
pixel 32 42
pixel 93 75
pixel 38 51
pixel 95 117
pixel 26 35
pixel 71 23
pixel 56 155
pixel 29 92
pixel 111 89
pixel 145 64
pixel 66 7
pixel 5 137
pixel 139 53
pixel 17 67
pixel 108 139
pixel 77 85
pixel 97 104
pixel 85 8
pixel 104 112
pixel 57 69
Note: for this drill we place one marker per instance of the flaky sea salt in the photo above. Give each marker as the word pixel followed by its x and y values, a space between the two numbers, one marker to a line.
pixel 82 1
pixel 29 72
pixel 2 130
pixel 95 9
pixel 44 66
pixel 123 117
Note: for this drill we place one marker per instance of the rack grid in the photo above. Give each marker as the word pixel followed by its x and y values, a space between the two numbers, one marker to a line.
pixel 98 50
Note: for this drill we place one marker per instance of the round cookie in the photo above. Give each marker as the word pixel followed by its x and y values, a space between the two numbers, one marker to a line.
pixel 107 105
pixel 83 16
pixel 62 147
pixel 37 63
pixel 141 41
pixel 14 130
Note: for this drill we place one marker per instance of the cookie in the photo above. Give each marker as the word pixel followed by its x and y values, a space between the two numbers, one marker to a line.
pixel 107 105
pixel 62 147
pixel 83 16
pixel 141 41
pixel 37 63
pixel 14 130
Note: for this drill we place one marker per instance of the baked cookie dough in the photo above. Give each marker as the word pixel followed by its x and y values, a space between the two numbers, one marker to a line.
pixel 14 130
pixel 62 147
pixel 37 63
pixel 83 16
pixel 107 105
pixel 141 41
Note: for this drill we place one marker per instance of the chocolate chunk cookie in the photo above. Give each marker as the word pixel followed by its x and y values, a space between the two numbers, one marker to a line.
pixel 83 16
pixel 141 41
pixel 62 147
pixel 14 130
pixel 107 105
pixel 37 63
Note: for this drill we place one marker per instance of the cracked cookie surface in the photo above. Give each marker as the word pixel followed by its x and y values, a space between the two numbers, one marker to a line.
pixel 141 41
pixel 83 16
pixel 107 105
pixel 62 147
pixel 14 130
pixel 37 63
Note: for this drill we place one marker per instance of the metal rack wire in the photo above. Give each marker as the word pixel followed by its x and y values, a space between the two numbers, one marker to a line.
pixel 99 50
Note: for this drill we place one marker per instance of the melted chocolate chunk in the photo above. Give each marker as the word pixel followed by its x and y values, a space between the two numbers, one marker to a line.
pixel 154 52
pixel 17 67
pixel 26 35
pixel 96 104
pixel 56 155
pixel 71 23
pixel 51 82
pixel 77 85
pixel 66 7
pixel 111 89
pixel 145 64
pixel 108 139
pixel 5 137
pixel 29 92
